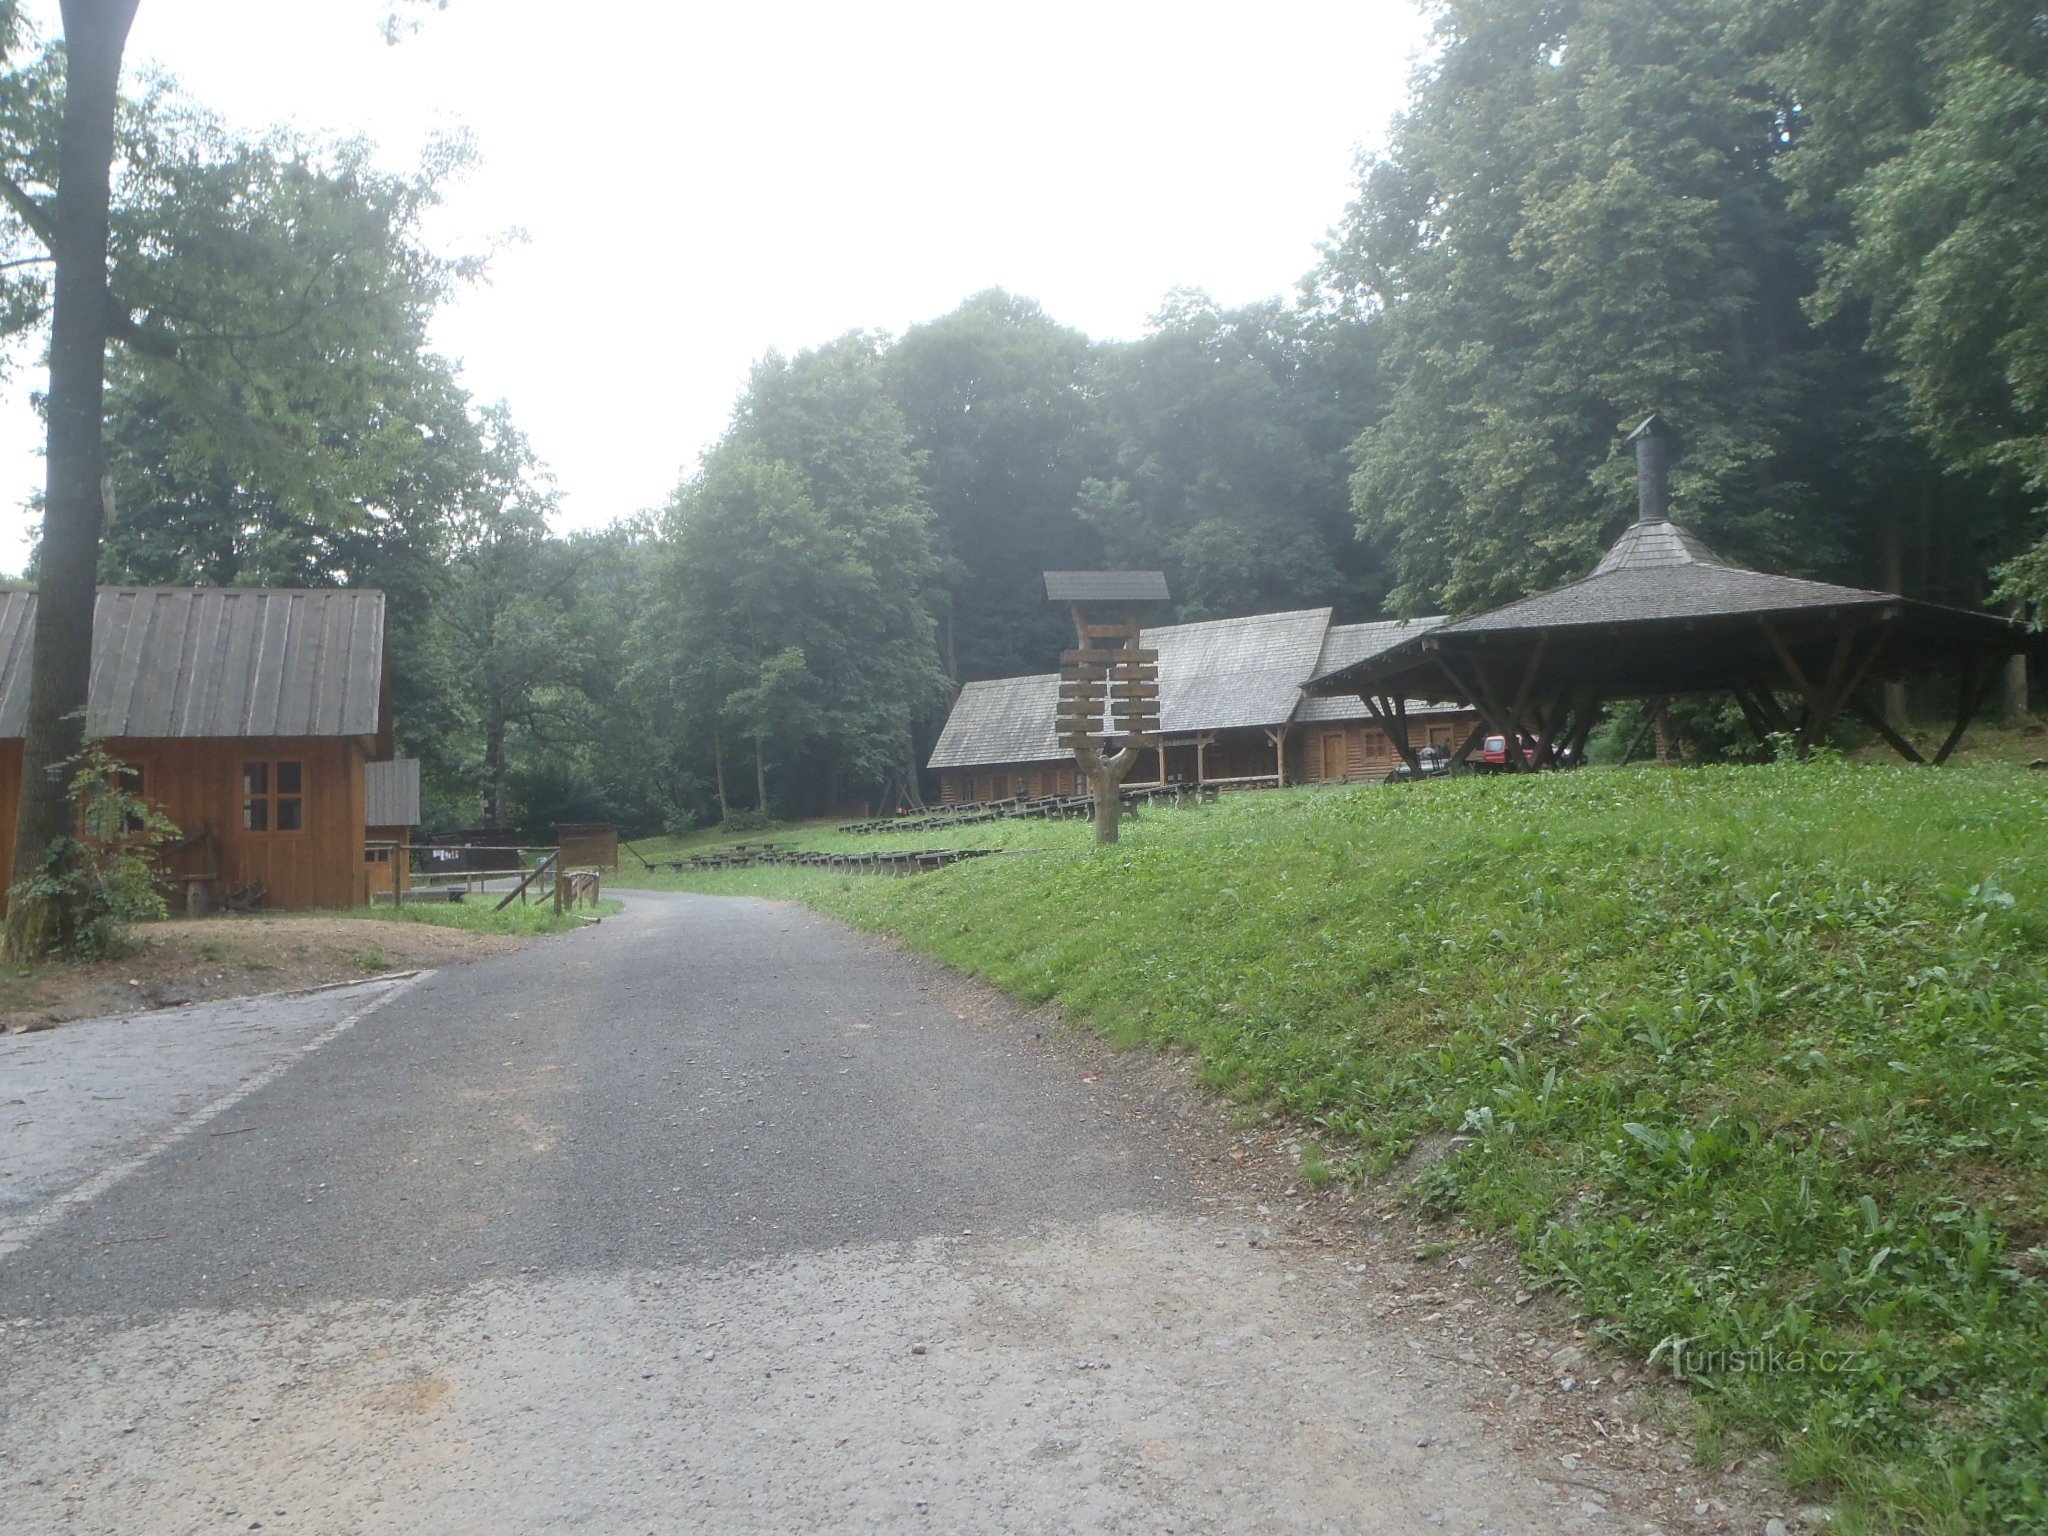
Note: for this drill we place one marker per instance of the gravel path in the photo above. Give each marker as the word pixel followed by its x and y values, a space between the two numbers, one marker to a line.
pixel 723 1218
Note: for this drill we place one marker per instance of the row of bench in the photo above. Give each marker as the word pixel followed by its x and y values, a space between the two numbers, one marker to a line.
pixel 1044 807
pixel 880 861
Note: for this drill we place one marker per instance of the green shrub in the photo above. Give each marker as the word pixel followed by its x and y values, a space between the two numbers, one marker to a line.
pixel 104 878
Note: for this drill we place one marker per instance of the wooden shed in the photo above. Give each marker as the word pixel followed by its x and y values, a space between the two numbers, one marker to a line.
pixel 391 806
pixel 249 715
pixel 1232 712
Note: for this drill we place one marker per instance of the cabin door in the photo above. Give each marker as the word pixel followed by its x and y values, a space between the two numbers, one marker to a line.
pixel 1333 754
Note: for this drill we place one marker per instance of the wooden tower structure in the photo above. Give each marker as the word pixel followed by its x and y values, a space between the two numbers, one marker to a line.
pixel 1109 682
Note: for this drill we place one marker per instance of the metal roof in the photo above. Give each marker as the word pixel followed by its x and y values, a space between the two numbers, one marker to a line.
pixel 1105 586
pixel 391 793
pixel 214 661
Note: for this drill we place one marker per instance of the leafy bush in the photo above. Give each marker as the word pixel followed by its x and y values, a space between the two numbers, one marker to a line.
pixel 103 878
pixel 748 821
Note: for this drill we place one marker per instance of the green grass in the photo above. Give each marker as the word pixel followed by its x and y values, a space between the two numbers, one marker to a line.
pixel 476 915
pixel 1750 1061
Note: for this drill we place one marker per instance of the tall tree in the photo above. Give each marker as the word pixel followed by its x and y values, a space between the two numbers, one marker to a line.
pixel 74 223
pixel 827 415
pixel 1003 411
pixel 1230 430
pixel 1580 221
pixel 501 625
pixel 1930 126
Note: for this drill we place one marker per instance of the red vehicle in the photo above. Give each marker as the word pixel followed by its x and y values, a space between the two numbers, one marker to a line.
pixel 1493 752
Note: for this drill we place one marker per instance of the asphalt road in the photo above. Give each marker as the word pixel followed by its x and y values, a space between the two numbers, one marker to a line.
pixel 719 1217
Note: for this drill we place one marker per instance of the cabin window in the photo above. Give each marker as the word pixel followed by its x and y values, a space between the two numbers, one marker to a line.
pixel 96 824
pixel 274 795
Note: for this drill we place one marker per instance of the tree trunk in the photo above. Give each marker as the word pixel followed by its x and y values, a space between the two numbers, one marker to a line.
pixel 912 790
pixel 95 32
pixel 1896 713
pixel 494 769
pixel 1107 787
pixel 718 769
pixel 760 778
pixel 2016 691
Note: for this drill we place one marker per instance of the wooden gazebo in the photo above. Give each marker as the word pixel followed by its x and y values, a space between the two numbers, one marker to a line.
pixel 1662 615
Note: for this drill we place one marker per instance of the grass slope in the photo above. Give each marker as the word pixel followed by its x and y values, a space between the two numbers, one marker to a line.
pixel 1749 1060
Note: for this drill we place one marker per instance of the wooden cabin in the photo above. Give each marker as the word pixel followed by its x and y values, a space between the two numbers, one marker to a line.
pixel 1232 713
pixel 250 716
pixel 391 806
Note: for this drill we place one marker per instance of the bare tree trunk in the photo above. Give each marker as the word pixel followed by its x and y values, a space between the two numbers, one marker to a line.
pixel 718 769
pixel 95 32
pixel 1894 580
pixel 494 769
pixel 912 790
pixel 760 778
pixel 2016 690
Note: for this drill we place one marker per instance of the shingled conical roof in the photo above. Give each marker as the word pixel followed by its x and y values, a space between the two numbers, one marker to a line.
pixel 1659 569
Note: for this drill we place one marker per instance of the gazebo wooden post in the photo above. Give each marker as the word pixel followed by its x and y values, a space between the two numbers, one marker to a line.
pixel 1753 713
pixel 1974 686
pixel 1585 713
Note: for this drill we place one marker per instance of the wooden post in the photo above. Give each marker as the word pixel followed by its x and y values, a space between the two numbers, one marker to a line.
pixel 1973 687
pixel 1877 722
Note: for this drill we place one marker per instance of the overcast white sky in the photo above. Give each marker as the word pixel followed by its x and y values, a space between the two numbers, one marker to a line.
pixel 701 183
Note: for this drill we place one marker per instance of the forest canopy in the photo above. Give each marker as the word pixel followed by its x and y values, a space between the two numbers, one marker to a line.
pixel 1812 233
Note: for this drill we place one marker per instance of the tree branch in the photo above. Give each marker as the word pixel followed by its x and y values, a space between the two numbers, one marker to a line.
pixel 31 209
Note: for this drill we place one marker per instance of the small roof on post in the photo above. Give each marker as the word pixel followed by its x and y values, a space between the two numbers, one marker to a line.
pixel 1105 586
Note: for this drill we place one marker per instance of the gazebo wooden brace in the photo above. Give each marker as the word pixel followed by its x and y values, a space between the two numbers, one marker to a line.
pixel 1824 700
pixel 1874 718
pixel 1392 715
pixel 1472 739
pixel 1974 688
pixel 1480 692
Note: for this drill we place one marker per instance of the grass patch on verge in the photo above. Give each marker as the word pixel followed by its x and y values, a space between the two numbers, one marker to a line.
pixel 476 916
pixel 1750 1061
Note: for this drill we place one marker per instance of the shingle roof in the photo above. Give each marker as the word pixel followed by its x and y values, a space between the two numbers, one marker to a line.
pixel 1661 570
pixel 1347 644
pixel 1342 708
pixel 1218 675
pixel 1225 674
pixel 1105 586
pixel 214 661
pixel 1003 720
pixel 391 793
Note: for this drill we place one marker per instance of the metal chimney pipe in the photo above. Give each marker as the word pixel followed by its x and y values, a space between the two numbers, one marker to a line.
pixel 1653 470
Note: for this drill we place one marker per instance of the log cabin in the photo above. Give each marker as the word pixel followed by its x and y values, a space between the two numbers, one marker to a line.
pixel 1232 713
pixel 249 716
